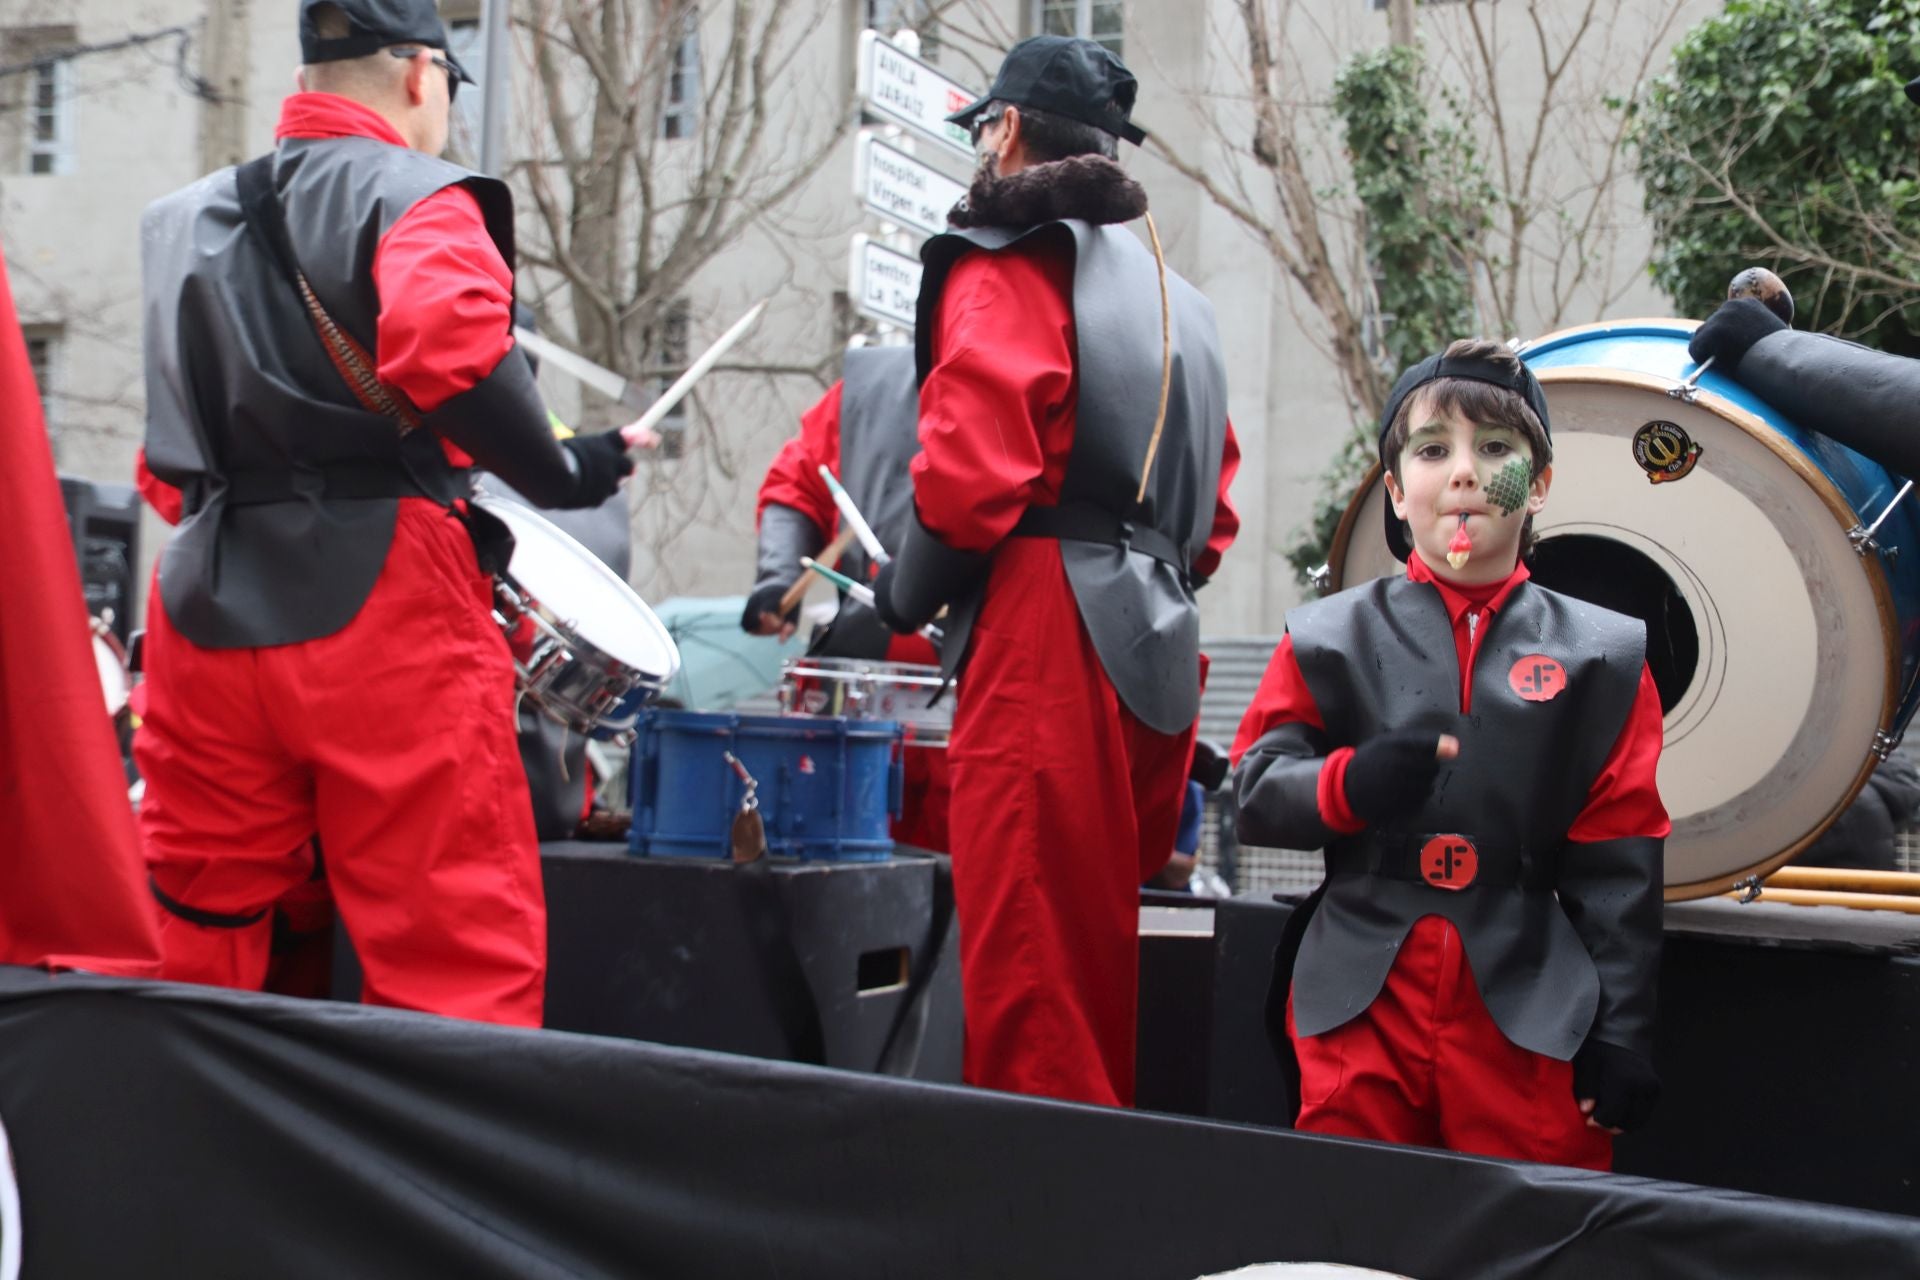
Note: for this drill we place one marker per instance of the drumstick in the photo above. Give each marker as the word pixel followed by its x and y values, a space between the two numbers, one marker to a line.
pixel 863 593
pixel 857 522
pixel 831 553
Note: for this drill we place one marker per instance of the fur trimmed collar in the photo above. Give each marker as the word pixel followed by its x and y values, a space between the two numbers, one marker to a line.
pixel 1091 188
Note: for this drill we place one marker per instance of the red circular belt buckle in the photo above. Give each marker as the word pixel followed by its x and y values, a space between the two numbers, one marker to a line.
pixel 1449 862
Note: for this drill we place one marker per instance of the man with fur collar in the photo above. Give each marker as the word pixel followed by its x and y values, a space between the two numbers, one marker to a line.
pixel 1069 497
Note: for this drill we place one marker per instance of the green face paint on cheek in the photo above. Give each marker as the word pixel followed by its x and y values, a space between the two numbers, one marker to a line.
pixel 1508 488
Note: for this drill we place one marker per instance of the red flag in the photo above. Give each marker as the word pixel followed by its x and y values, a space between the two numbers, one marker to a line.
pixel 73 889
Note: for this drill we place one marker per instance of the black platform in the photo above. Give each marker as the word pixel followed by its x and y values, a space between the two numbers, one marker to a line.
pixel 1788 1046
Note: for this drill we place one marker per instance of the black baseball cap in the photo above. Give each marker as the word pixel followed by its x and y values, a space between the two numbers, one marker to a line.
pixel 1913 90
pixel 1519 380
pixel 377 25
pixel 1067 76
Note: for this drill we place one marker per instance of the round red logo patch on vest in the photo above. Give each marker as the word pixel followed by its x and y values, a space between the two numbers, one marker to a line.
pixel 1449 862
pixel 1537 678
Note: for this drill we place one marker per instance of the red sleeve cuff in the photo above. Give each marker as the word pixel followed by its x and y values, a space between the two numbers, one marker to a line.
pixel 1332 794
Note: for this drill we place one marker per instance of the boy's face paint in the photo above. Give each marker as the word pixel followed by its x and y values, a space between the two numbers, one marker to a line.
pixel 1452 466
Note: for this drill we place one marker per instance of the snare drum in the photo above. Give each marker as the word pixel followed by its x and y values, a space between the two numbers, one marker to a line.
pixel 864 689
pixel 587 650
pixel 1784 638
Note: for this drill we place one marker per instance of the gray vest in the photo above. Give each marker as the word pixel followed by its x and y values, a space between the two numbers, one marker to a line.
pixel 1138 608
pixel 243 401
pixel 1380 658
pixel 879 436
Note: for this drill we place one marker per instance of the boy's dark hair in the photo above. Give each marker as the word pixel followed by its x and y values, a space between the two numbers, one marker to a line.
pixel 1049 136
pixel 1476 401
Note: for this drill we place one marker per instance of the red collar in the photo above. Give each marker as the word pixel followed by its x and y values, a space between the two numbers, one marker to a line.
pixel 1459 597
pixel 328 115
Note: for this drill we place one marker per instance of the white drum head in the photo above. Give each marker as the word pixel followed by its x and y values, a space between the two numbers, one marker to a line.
pixel 577 588
pixel 1770 725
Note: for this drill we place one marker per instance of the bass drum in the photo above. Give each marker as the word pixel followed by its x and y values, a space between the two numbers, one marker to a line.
pixel 1783 637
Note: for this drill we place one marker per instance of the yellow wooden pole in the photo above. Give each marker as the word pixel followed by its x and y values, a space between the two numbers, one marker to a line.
pixel 1828 898
pixel 1845 879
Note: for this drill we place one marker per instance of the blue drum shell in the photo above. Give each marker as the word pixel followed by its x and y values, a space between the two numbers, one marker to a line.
pixel 828 786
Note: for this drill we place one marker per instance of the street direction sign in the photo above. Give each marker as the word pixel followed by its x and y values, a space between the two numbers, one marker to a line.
pixel 904 189
pixel 883 283
pixel 896 86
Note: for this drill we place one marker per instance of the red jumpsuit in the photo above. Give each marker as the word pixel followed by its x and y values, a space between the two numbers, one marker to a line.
pixel 1425 1064
pixel 393 738
pixel 793 480
pixel 1063 801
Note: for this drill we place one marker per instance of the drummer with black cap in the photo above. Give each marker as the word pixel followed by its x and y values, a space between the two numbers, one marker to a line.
pixel 1069 497
pixel 328 350
pixel 1477 756
pixel 1867 400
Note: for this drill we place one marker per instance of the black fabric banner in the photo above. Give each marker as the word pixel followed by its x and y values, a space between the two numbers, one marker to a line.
pixel 164 1130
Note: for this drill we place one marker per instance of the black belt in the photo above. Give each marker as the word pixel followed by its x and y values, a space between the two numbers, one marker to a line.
pixel 369 479
pixel 1405 856
pixel 1086 522
pixel 206 919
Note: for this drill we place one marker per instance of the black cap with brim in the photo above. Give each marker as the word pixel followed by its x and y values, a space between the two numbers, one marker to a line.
pixel 376 25
pixel 1913 90
pixel 1065 76
pixel 1519 381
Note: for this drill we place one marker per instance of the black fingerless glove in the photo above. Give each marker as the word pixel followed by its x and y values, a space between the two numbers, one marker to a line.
pixel 1392 775
pixel 602 462
pixel 766 599
pixel 1731 331
pixel 1623 1085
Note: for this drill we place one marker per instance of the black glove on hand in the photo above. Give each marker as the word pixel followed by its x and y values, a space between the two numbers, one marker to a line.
pixel 603 463
pixel 1622 1084
pixel 766 600
pixel 1732 330
pixel 883 601
pixel 1392 775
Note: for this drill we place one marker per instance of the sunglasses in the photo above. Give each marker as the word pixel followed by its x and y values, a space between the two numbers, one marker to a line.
pixel 406 54
pixel 980 123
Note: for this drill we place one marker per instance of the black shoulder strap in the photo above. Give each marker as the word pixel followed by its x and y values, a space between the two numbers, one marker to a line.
pixel 265 216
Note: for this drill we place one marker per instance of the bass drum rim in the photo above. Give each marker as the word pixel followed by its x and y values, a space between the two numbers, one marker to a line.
pixel 1815 479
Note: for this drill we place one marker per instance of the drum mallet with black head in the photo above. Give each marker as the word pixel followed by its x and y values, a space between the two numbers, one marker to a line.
pixel 1770 289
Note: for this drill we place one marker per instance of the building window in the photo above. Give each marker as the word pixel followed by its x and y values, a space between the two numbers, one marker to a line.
pixel 681 117
pixel 671 351
pixel 468 43
pixel 43 360
pixel 50 117
pixel 1092 19
pixel 890 16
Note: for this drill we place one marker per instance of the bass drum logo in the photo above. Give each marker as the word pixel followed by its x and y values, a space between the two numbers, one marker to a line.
pixel 1665 451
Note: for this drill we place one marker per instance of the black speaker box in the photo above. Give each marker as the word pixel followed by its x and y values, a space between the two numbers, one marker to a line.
pixel 105 522
pixel 707 955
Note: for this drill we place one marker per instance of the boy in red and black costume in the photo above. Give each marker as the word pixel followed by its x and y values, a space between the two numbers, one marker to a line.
pixel 1476 755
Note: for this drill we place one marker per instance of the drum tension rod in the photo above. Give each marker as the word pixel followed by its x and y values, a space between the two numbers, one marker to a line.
pixel 1749 889
pixel 1863 540
pixel 1321 579
pixel 1689 390
pixel 1884 743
